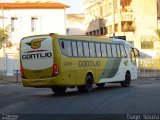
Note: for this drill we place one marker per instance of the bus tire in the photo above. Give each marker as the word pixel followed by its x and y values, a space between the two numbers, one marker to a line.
pixel 127 81
pixel 59 90
pixel 100 85
pixel 88 85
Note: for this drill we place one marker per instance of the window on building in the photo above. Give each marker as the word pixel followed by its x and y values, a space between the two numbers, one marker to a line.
pixel 94 32
pixel 115 5
pixel 127 26
pixel 105 30
pixel 14 24
pixel 33 24
pixel 90 33
pixel 147 45
pixel 97 32
pixel 101 31
pixel 116 27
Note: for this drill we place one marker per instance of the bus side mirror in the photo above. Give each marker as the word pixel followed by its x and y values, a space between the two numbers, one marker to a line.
pixel 136 52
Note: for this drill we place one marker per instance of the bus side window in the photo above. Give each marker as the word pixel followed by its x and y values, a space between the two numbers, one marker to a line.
pixel 103 49
pixel 92 49
pixel 114 50
pixel 80 49
pixel 123 52
pixel 118 51
pixel 74 49
pixel 109 50
pixel 66 47
pixel 98 50
pixel 86 49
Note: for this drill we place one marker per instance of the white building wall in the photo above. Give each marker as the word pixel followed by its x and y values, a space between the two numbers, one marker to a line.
pixel 75 26
pixel 48 21
pixel 145 22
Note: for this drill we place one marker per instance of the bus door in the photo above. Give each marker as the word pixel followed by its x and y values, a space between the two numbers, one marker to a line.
pixel 134 53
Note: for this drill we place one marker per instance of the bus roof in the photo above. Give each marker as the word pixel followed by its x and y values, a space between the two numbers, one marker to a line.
pixel 85 38
pixel 91 38
pixel 123 41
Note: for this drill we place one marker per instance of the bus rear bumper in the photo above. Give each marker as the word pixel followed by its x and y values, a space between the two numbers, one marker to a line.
pixel 47 82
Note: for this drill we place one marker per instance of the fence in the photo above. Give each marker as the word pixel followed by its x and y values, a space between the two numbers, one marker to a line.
pixel 16 77
pixel 149 67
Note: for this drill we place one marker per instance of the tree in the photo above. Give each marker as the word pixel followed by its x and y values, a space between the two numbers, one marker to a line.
pixel 3 35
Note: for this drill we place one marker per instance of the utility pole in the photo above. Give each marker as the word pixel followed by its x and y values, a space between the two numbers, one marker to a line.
pixel 113 14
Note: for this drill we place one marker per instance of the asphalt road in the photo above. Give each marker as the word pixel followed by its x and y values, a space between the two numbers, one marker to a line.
pixel 141 98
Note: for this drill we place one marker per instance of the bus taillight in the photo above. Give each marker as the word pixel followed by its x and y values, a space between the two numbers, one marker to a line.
pixel 22 72
pixel 55 70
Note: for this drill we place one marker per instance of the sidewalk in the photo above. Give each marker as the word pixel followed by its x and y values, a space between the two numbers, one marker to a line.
pixel 148 78
pixel 10 79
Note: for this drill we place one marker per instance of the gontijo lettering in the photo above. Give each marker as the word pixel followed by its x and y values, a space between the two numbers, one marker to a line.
pixel 37 56
pixel 89 63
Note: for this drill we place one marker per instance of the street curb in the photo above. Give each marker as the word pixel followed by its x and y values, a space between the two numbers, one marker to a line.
pixel 8 82
pixel 149 78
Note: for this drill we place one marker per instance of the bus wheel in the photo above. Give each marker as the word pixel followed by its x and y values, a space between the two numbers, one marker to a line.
pixel 100 85
pixel 59 90
pixel 127 81
pixel 88 85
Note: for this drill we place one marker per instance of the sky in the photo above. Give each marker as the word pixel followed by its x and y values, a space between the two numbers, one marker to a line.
pixel 75 5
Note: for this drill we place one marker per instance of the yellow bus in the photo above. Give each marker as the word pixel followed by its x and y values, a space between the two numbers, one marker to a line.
pixel 59 61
